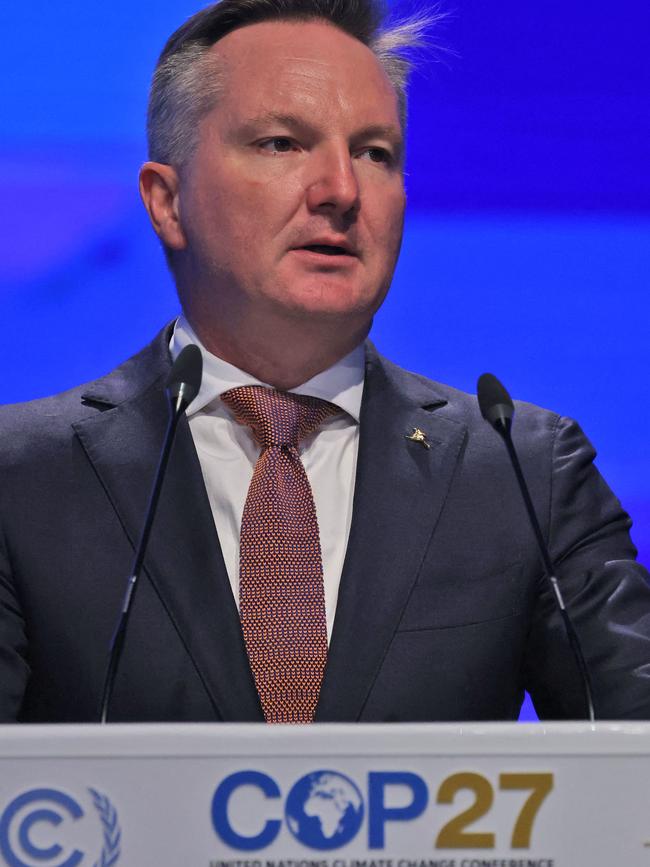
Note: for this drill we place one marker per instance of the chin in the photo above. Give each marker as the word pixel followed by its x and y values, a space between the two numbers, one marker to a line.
pixel 331 299
pixel 345 316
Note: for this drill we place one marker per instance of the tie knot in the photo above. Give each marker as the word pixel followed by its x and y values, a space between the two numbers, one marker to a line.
pixel 277 418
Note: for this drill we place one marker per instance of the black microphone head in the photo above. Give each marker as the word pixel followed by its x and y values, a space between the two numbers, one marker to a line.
pixel 494 402
pixel 184 380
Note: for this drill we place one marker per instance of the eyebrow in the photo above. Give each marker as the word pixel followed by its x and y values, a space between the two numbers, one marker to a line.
pixel 274 117
pixel 391 133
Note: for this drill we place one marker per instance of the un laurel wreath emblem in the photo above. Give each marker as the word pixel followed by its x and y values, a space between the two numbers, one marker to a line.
pixel 112 832
pixel 19 847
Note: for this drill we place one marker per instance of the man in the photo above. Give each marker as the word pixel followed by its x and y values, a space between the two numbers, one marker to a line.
pixel 337 539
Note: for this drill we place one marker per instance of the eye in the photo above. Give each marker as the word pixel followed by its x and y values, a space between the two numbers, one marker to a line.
pixel 378 155
pixel 278 145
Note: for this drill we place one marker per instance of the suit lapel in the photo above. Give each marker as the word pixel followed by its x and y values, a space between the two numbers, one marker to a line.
pixel 400 490
pixel 184 561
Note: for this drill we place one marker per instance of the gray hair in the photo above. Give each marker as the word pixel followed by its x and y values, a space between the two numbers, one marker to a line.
pixel 186 86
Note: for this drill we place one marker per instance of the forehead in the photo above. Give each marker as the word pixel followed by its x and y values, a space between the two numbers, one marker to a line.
pixel 310 67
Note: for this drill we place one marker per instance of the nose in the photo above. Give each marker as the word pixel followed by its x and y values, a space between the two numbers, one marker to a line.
pixel 332 185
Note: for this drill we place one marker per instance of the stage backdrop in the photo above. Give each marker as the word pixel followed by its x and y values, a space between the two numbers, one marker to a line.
pixel 527 245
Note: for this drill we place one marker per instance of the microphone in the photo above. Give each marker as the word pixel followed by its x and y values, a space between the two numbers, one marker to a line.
pixel 494 402
pixel 498 410
pixel 184 380
pixel 182 386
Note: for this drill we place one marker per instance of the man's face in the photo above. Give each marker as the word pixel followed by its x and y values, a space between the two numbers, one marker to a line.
pixel 293 201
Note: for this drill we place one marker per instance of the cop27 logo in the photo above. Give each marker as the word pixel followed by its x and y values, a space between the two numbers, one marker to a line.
pixel 29 825
pixel 324 810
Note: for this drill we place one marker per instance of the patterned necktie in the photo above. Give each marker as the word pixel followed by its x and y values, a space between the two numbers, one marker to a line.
pixel 281 594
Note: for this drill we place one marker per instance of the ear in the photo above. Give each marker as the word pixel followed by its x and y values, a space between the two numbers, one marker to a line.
pixel 159 185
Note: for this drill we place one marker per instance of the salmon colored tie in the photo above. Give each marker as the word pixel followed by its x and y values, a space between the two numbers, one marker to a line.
pixel 281 594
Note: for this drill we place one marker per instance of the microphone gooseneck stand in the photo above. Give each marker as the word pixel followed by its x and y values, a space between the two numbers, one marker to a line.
pixel 182 387
pixel 498 410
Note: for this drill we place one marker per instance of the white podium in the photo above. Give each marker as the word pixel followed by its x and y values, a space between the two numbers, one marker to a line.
pixel 520 795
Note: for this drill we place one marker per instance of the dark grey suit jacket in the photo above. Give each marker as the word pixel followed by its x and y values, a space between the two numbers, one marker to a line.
pixel 443 611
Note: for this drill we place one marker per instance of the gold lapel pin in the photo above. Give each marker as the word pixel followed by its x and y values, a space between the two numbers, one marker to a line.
pixel 418 436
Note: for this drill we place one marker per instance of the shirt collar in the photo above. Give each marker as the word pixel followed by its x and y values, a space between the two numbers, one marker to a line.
pixel 341 384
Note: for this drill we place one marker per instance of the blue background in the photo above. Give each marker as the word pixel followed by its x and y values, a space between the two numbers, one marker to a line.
pixel 527 242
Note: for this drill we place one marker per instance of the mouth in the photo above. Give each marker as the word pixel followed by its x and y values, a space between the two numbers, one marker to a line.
pixel 324 252
pixel 326 249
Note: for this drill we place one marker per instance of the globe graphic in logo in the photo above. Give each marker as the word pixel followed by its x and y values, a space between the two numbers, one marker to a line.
pixel 324 810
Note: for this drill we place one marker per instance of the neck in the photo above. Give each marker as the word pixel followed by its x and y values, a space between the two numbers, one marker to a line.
pixel 281 354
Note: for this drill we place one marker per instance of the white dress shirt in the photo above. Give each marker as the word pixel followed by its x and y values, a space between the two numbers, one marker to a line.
pixel 228 453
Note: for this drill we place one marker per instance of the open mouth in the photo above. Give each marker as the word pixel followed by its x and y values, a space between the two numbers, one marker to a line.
pixel 326 249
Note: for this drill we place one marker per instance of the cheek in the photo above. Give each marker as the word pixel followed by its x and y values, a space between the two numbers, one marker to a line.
pixel 265 182
pixel 386 221
pixel 264 208
pixel 221 220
